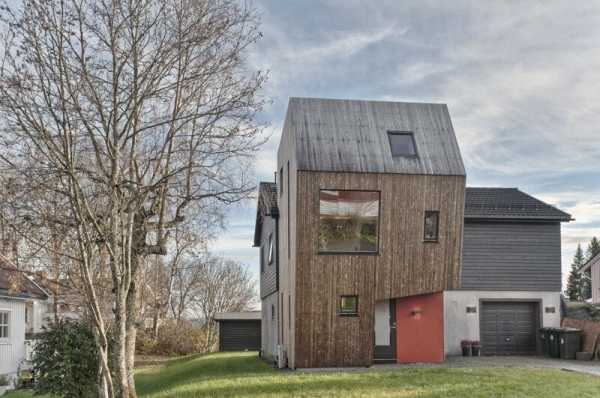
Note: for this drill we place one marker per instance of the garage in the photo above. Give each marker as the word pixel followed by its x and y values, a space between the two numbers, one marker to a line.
pixel 239 331
pixel 509 328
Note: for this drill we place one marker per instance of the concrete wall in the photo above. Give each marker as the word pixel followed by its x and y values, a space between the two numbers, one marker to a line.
pixel 460 325
pixel 270 327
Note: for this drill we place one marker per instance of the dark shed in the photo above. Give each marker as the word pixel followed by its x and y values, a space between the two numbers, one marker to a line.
pixel 239 331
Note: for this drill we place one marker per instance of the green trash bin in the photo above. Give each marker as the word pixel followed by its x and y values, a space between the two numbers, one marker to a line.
pixel 570 342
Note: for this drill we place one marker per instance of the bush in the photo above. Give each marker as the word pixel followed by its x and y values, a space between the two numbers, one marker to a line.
pixel 4 381
pixel 65 360
pixel 174 338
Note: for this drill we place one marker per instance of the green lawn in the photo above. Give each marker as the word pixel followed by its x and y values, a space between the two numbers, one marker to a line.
pixel 244 375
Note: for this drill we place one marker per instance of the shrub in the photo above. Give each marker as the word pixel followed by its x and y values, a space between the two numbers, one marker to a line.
pixel 174 338
pixel 65 360
pixel 4 381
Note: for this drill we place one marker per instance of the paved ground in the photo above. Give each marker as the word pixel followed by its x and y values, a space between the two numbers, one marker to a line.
pixel 590 367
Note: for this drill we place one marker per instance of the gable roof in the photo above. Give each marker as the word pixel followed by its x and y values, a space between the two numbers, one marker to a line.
pixel 14 283
pixel 590 263
pixel 509 203
pixel 266 206
pixel 352 136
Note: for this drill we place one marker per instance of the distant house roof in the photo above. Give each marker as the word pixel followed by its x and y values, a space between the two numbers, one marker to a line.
pixel 509 203
pixel 238 316
pixel 14 283
pixel 352 136
pixel 267 206
pixel 591 262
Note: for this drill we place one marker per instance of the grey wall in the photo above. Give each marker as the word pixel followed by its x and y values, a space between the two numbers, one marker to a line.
pixel 511 256
pixel 270 327
pixel 268 272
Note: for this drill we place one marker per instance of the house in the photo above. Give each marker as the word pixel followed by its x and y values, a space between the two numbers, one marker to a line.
pixel 239 331
pixel 22 308
pixel 593 267
pixel 373 250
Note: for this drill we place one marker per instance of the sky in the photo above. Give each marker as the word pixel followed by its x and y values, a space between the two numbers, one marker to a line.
pixel 521 81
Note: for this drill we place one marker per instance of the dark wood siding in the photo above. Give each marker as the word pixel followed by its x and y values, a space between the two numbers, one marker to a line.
pixel 239 335
pixel 268 275
pixel 404 266
pixel 511 256
pixel 509 328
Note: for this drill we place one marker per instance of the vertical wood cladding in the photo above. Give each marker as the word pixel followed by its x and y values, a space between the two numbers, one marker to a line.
pixel 404 265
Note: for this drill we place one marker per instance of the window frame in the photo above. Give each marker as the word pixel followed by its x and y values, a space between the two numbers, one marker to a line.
pixel 411 134
pixel 271 249
pixel 341 312
pixel 341 252
pixel 437 226
pixel 7 325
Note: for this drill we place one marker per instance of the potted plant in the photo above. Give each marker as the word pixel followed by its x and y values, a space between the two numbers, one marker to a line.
pixel 4 384
pixel 466 348
pixel 475 348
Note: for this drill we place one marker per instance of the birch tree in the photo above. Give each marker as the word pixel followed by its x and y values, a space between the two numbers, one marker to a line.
pixel 132 113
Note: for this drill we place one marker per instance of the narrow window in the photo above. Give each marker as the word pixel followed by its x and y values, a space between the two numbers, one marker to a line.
pixel 4 324
pixel 271 249
pixel 272 312
pixel 431 230
pixel 348 221
pixel 349 305
pixel 402 143
pixel 261 259
pixel 289 312
pixel 281 181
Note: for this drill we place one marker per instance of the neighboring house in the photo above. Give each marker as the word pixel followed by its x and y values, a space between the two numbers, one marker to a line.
pixel 593 266
pixel 239 331
pixel 373 250
pixel 22 308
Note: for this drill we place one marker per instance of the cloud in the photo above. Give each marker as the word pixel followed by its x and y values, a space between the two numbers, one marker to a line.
pixel 522 87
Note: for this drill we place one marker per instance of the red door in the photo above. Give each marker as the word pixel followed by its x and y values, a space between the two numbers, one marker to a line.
pixel 420 328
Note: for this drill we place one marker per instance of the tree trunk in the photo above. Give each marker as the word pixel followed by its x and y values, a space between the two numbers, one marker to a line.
pixel 132 307
pixel 119 367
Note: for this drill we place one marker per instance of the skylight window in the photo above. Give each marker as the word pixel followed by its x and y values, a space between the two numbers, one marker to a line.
pixel 402 143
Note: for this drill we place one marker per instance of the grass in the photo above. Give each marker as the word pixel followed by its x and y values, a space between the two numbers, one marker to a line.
pixel 244 375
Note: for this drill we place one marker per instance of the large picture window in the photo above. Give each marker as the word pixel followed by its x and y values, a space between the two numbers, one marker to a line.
pixel 349 221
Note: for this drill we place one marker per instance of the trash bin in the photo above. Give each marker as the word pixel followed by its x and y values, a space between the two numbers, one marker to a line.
pixel 570 342
pixel 545 340
pixel 554 343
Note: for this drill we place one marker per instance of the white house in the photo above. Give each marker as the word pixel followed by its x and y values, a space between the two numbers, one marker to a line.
pixel 22 309
pixel 593 265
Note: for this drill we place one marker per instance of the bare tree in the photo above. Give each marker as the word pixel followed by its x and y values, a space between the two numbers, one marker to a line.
pixel 223 286
pixel 131 112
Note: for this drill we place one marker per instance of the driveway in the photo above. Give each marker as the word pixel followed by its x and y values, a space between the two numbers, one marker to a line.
pixel 590 367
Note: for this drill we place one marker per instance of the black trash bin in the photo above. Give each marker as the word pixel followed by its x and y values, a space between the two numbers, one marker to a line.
pixel 554 343
pixel 545 340
pixel 570 342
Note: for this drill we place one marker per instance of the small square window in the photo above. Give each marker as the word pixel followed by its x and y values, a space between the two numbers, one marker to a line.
pixel 402 143
pixel 432 219
pixel 349 305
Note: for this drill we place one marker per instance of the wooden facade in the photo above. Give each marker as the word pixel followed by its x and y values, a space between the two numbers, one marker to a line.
pixel 336 145
pixel 404 266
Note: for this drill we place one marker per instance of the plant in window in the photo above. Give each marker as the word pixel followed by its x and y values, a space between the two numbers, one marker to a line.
pixel 349 305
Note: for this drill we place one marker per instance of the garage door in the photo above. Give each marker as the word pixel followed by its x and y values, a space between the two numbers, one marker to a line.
pixel 239 335
pixel 509 328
